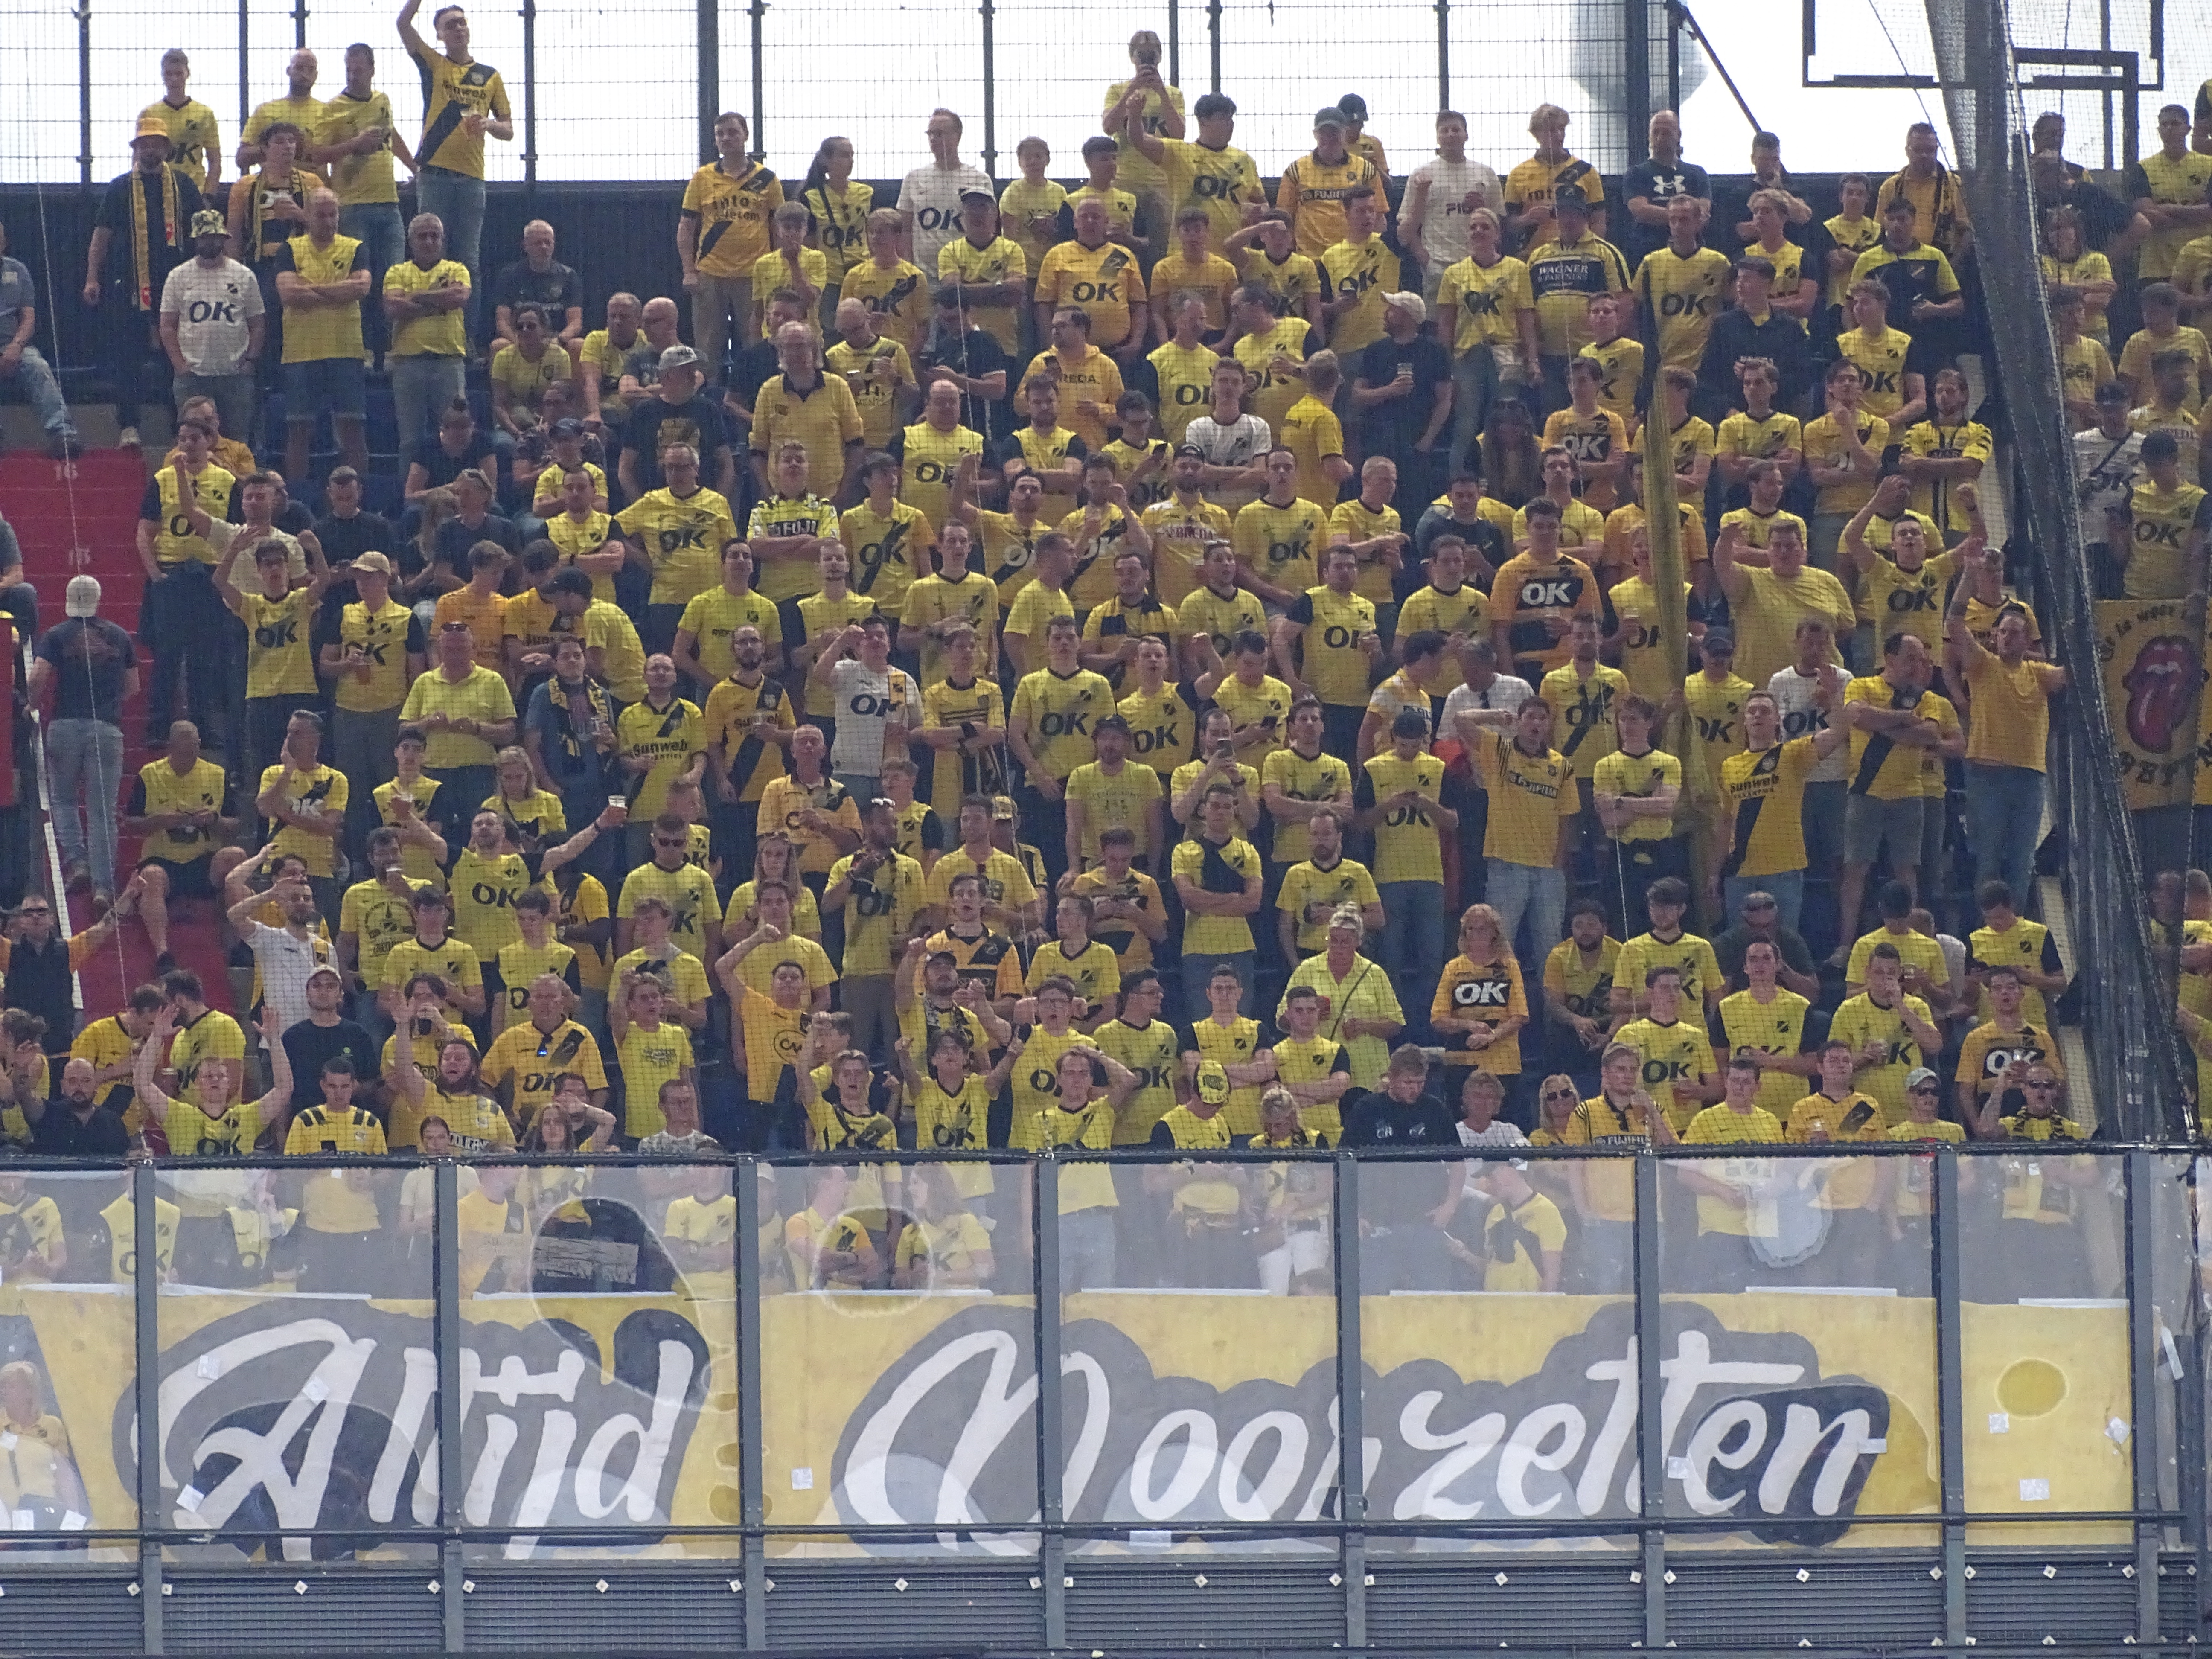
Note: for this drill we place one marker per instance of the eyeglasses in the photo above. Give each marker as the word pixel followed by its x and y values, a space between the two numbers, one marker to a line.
pixel 1757 909
pixel 663 841
pixel 1558 1094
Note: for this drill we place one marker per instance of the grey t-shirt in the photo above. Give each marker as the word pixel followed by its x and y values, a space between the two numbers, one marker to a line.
pixel 212 308
pixel 15 293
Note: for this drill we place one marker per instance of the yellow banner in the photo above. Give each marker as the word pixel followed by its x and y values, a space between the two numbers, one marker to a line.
pixel 2148 653
pixel 1798 1415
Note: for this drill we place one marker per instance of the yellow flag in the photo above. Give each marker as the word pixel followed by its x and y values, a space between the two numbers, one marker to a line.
pixel 1662 516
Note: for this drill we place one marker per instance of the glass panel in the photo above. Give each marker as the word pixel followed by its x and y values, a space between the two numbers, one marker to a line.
pixel 599 1369
pixel 1499 1348
pixel 618 103
pixel 298 1375
pixel 68 1340
pixel 2175 1231
pixel 1284 60
pixel 38 100
pixel 2044 1334
pixel 1198 1351
pixel 866 72
pixel 898 1355
pixel 1798 1342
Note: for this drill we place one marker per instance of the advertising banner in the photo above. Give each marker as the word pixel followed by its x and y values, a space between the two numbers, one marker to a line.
pixel 1796 1415
pixel 2149 661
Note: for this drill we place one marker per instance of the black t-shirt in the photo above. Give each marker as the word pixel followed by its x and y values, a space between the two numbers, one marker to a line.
pixel 1379 1121
pixel 1659 184
pixel 556 287
pixel 656 423
pixel 972 354
pixel 165 255
pixel 456 538
pixel 1392 427
pixel 346 539
pixel 1482 536
pixel 2104 216
pixel 750 368
pixel 444 466
pixel 90 656
pixel 58 1134
pixel 308 1046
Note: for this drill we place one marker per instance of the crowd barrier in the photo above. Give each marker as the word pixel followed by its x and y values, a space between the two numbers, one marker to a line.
pixel 435 1386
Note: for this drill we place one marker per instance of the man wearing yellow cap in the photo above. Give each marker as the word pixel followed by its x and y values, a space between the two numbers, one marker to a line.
pixel 1207 1247
pixel 150 208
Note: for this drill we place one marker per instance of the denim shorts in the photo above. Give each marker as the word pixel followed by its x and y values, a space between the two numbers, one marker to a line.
pixel 327 386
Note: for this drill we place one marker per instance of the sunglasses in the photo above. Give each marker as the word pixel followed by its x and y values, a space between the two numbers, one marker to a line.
pixel 663 841
pixel 1558 1094
pixel 1757 909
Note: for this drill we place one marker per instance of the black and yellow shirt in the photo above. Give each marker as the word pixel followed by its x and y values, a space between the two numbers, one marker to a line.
pixel 1988 1050
pixel 1525 592
pixel 2025 944
pixel 1153 1052
pixel 278 663
pixel 896 297
pixel 2161 524
pixel 731 214
pixel 1775 1028
pixel 325 332
pixel 1638 776
pixel 998 261
pixel 683 537
pixel 1283 545
pixel 1582 986
pixel 174 543
pixel 160 790
pixel 927 460
pixel 1862 1020
pixel 1062 712
pixel 1691 955
pixel 1681 295
pixel 1530 795
pixel 1766 789
pixel 1266 706
pixel 1564 277
pixel 1335 666
pixel 1312 192
pixel 451 91
pixel 1484 302
pixel 1205 611
pixel 1582 708
pixel 1675 1056
pixel 1269 391
pixel 1407 847
pixel 1880 358
pixel 192 132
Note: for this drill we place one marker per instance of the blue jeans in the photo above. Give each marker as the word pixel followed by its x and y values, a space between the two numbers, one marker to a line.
pixel 1416 938
pixel 1540 893
pixel 382 234
pixel 1198 971
pixel 1788 887
pixel 422 385
pixel 458 202
pixel 34 377
pixel 2004 821
pixel 1474 388
pixel 87 758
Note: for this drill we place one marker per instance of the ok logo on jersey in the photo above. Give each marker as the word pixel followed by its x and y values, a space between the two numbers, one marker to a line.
pixel 271 638
pixel 1659 1071
pixel 676 538
pixel 2150 534
pixel 1911 598
pixel 1075 725
pixel 1716 731
pixel 1544 590
pixel 1099 293
pixel 1479 303
pixel 1880 380
pixel 1482 993
pixel 1284 552
pixel 1684 305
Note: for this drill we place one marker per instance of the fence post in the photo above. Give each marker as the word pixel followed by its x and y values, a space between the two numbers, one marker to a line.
pixel 244 78
pixel 1351 1417
pixel 1950 1395
pixel 1051 1452
pixel 1650 1431
pixel 758 12
pixel 299 24
pixel 1636 76
pixel 990 88
pixel 752 1505
pixel 1213 39
pixel 445 1335
pixel 529 97
pixel 1175 42
pixel 710 75
pixel 1443 54
pixel 2143 1357
pixel 145 1284
pixel 83 103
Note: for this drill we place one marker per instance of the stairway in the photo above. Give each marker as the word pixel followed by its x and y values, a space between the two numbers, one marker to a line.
pixel 91 504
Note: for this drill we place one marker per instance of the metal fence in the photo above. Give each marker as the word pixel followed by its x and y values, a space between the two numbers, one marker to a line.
pixel 1776 1398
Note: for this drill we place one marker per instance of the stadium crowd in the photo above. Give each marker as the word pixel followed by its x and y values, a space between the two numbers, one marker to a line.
pixel 1156 664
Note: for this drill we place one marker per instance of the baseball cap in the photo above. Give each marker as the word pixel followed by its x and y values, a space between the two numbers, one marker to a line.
pixel 1718 641
pixel 208 222
pixel 975 192
pixel 322 968
pixel 1409 723
pixel 678 356
pixel 1190 449
pixel 150 126
pixel 1570 195
pixel 1328 115
pixel 1412 304
pixel 1919 1075
pixel 1353 105
pixel 1002 810
pixel 372 561
pixel 567 427
pixel 1212 1082
pixel 82 597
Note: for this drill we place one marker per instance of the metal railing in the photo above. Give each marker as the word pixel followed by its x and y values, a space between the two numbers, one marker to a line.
pixel 1823 1358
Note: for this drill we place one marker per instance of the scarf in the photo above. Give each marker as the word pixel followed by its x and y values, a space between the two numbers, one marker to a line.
pixel 597 701
pixel 173 229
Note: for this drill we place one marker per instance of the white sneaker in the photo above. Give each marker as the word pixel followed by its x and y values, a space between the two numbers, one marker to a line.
pixel 128 438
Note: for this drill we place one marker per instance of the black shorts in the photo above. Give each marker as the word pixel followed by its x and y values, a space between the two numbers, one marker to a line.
pixel 190 880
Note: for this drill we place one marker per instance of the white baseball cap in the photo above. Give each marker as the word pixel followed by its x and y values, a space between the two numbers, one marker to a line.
pixel 81 597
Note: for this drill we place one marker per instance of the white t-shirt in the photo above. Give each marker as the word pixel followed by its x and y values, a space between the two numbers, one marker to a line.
pixel 212 308
pixel 931 196
pixel 866 703
pixel 1793 695
pixel 1443 219
pixel 1243 442
pixel 2105 473
pixel 1506 691
pixel 1499 1133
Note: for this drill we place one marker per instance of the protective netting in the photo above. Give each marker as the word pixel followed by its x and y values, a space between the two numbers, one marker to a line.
pixel 2127 1011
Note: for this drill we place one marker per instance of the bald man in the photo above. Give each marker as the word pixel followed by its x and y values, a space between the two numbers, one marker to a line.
pixel 537 278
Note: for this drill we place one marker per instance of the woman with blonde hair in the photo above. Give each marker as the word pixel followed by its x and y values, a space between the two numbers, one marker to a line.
pixel 1481 1004
pixel 773 860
